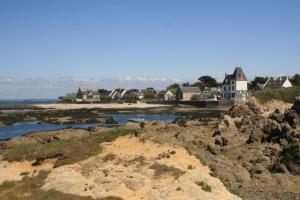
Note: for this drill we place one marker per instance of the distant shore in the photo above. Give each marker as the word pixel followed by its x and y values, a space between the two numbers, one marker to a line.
pixel 62 106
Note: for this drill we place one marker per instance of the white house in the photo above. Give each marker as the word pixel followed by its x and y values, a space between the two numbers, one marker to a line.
pixel 281 82
pixel 235 86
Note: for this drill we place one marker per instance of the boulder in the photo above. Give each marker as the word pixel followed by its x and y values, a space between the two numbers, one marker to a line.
pixel 256 136
pixel 277 116
pixel 221 141
pixel 292 118
pixel 240 110
pixel 296 106
pixel 291 157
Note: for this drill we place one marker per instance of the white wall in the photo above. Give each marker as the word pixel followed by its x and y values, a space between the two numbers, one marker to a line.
pixel 287 84
pixel 241 85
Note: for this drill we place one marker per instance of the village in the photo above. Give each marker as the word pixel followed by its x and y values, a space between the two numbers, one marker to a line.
pixel 235 87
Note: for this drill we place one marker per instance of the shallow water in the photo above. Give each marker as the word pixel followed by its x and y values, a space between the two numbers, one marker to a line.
pixel 21 128
pixel 123 118
pixel 26 102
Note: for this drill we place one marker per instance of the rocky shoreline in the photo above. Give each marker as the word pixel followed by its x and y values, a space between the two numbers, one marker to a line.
pixel 255 153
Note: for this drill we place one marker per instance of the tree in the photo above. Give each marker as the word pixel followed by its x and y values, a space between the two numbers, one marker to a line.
pixel 296 79
pixel 174 85
pixel 208 81
pixel 186 84
pixel 149 93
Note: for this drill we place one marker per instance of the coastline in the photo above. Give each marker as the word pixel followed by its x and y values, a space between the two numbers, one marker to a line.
pixel 62 106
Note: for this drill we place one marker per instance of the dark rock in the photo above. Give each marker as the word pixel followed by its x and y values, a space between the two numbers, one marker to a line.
pixel 296 106
pixel 277 116
pixel 217 132
pixel 291 157
pixel 273 129
pixel 292 118
pixel 221 141
pixel 256 136
pixel 240 110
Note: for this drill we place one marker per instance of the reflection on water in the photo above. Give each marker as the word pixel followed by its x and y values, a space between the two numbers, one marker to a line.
pixel 21 128
pixel 121 119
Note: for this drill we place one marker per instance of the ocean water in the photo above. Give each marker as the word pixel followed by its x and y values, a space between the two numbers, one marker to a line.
pixel 121 119
pixel 21 128
pixel 26 102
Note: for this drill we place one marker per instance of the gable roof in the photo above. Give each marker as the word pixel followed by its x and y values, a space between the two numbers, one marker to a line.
pixel 190 90
pixel 275 83
pixel 88 92
pixel 172 90
pixel 238 75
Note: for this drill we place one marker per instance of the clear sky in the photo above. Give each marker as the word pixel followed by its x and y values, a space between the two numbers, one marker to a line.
pixel 163 39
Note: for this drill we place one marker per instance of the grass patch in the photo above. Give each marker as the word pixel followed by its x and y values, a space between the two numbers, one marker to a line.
pixel 29 188
pixel 205 187
pixel 66 151
pixel 201 159
pixel 163 170
pixel 287 95
pixel 233 190
pixel 190 167
pixel 139 159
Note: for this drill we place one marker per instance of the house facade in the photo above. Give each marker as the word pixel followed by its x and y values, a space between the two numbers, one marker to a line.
pixel 210 94
pixel 160 96
pixel 87 95
pixel 188 93
pixel 280 82
pixel 170 94
pixel 235 86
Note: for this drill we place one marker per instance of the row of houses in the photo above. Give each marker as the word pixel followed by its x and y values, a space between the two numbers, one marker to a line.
pixel 233 88
pixel 188 94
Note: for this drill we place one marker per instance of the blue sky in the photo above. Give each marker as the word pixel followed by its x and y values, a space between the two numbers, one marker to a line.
pixel 153 39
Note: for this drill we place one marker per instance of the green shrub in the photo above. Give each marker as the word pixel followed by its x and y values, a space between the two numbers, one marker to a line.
pixel 160 170
pixel 205 187
pixel 287 95
pixel 233 190
pixel 66 151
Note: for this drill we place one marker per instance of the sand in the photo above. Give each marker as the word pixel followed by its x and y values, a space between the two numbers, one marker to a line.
pixel 12 171
pixel 62 106
pixel 120 176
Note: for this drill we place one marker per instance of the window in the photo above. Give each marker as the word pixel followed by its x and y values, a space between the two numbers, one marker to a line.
pixel 224 88
pixel 232 95
pixel 232 88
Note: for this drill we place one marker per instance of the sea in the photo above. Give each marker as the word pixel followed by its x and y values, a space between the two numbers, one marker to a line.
pixel 17 102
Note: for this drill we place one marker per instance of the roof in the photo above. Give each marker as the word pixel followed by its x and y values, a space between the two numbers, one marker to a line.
pixel 173 90
pixel 238 75
pixel 275 83
pixel 162 92
pixel 88 91
pixel 190 90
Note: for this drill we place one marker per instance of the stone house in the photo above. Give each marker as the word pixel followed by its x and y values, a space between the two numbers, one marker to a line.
pixel 171 94
pixel 87 95
pixel 188 93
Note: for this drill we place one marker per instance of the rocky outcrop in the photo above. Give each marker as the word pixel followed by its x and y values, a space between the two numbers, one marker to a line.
pixel 296 106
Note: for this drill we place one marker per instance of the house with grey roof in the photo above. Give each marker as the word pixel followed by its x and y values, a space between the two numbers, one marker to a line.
pixel 280 82
pixel 87 95
pixel 188 93
pixel 235 86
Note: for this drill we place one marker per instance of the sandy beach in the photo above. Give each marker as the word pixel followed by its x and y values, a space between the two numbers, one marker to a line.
pixel 63 106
